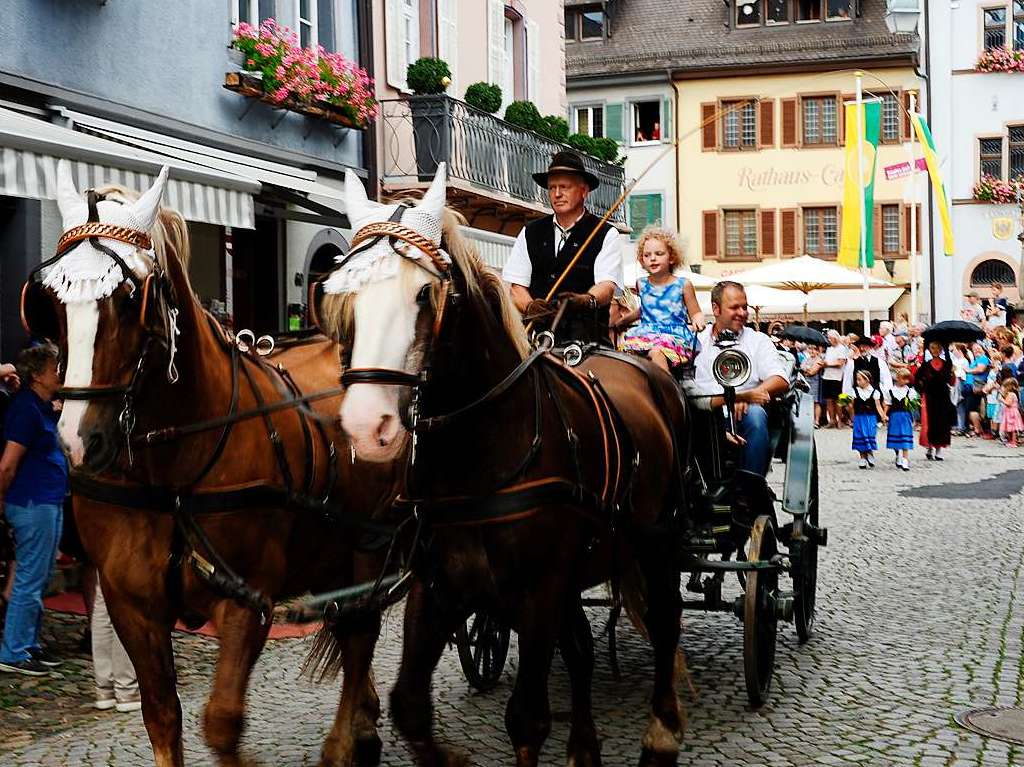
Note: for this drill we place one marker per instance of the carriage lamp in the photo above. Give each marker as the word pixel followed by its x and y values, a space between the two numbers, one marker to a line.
pixel 731 368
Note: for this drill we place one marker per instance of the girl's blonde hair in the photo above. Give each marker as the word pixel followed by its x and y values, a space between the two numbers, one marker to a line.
pixel 904 373
pixel 669 238
pixel 1010 384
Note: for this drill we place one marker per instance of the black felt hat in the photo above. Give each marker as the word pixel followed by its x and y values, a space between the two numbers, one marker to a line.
pixel 567 162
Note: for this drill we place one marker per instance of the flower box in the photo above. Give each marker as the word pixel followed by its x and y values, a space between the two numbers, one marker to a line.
pixel 318 83
pixel 995 190
pixel 1000 60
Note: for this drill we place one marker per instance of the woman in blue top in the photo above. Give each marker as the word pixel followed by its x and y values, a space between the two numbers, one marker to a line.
pixel 977 376
pixel 33 482
pixel 668 305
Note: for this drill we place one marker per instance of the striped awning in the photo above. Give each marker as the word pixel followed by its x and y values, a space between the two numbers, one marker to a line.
pixel 30 149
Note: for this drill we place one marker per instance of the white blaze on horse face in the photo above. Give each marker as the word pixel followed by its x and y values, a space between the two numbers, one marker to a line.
pixel 386 313
pixel 83 321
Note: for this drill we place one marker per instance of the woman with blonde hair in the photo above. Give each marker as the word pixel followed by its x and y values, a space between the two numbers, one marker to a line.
pixel 669 314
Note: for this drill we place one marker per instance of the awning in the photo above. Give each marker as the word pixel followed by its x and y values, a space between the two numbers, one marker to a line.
pixel 264 172
pixel 30 149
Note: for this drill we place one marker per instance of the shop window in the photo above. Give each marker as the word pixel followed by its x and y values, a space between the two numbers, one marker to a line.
pixel 820 125
pixel 589 121
pixel 740 233
pixel 990 155
pixel 646 121
pixel 739 125
pixel 890 229
pixel 821 230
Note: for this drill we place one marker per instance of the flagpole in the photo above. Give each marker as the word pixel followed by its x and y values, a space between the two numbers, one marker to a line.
pixel 913 218
pixel 863 259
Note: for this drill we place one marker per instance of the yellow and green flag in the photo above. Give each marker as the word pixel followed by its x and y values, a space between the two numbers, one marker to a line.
pixel 860 144
pixel 924 135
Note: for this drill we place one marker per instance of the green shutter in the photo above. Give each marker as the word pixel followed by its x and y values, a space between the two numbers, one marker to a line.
pixel 613 121
pixel 655 211
pixel 666 120
pixel 638 207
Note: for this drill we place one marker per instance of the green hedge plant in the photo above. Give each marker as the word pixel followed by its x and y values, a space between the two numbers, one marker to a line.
pixel 525 115
pixel 606 149
pixel 555 128
pixel 428 76
pixel 484 96
pixel 582 143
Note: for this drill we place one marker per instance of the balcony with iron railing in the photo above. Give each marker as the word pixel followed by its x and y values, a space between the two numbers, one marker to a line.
pixel 490 162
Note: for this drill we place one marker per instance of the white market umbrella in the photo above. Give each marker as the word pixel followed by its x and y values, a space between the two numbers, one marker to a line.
pixel 764 299
pixel 806 275
pixel 632 271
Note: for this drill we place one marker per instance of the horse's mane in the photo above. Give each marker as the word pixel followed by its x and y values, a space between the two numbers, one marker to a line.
pixel 484 289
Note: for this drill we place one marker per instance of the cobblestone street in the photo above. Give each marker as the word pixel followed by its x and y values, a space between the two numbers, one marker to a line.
pixel 921 616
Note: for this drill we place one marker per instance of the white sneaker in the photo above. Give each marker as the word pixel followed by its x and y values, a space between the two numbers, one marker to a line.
pixel 906 465
pixel 871 461
pixel 863 463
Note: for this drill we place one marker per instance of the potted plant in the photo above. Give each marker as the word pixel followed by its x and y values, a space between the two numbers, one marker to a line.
pixel 480 132
pixel 484 96
pixel 428 78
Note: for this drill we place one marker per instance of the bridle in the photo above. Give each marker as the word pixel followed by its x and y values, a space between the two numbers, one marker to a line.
pixel 144 292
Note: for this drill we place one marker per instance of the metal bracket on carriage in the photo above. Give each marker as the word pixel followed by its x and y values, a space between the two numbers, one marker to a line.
pixel 246 340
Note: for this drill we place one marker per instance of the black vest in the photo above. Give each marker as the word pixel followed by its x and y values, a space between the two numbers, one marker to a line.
pixel 870 364
pixel 546 269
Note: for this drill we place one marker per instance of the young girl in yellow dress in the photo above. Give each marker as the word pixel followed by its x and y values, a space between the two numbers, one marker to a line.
pixel 669 314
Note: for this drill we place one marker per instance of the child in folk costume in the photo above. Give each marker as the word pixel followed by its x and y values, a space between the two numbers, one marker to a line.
pixel 867 409
pixel 669 314
pixel 900 435
pixel 1011 427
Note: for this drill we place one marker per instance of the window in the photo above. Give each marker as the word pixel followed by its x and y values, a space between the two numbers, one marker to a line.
pixel 819 121
pixel 1016 164
pixel 740 233
pixel 646 121
pixel 589 121
pixel 890 229
pixel 821 227
pixel 748 13
pixel 990 154
pixel 644 210
pixel 245 12
pixel 778 12
pixel 325 24
pixel 892 111
pixel 739 125
pixel 584 24
pixel 807 10
pixel 995 28
pixel 1018 25
pixel 990 271
pixel 837 9
pixel 508 70
pixel 411 30
pixel 305 20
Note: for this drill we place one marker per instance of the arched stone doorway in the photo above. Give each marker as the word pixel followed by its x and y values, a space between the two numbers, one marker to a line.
pixel 321 257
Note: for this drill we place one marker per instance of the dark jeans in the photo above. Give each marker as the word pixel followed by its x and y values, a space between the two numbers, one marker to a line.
pixel 753 428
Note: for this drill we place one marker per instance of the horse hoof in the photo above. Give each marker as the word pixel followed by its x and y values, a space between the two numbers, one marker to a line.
pixel 651 758
pixel 368 752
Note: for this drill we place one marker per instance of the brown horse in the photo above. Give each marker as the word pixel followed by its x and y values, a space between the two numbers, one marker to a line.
pixel 142 356
pixel 531 479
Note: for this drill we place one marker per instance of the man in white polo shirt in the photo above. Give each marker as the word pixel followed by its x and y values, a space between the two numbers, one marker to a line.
pixel 767 375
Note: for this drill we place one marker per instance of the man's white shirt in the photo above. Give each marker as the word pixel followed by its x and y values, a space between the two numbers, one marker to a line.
pixel 518 269
pixel 765 362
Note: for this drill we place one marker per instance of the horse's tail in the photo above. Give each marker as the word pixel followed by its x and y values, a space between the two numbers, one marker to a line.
pixel 324 660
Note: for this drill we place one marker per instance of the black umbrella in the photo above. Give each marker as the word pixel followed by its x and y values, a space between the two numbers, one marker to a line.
pixel 805 335
pixel 953 331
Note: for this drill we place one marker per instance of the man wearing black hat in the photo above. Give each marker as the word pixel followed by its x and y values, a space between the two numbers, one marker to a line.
pixel 545 247
pixel 881 378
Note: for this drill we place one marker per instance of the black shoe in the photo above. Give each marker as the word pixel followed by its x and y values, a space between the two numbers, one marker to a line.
pixel 47 659
pixel 30 667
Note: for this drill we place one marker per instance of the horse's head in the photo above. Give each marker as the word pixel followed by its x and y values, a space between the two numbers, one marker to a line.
pixel 101 293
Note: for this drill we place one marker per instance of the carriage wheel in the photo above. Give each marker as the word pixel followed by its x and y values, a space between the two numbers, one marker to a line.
pixel 483 647
pixel 804 558
pixel 760 619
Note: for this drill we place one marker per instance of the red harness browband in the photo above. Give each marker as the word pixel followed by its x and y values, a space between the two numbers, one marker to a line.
pixel 92 229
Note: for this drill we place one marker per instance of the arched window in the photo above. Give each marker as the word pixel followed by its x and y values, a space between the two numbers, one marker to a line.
pixel 990 271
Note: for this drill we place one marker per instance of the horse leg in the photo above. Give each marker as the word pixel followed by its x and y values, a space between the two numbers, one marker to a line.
pixel 528 713
pixel 353 738
pixel 147 640
pixel 577 646
pixel 241 640
pixel 664 733
pixel 427 629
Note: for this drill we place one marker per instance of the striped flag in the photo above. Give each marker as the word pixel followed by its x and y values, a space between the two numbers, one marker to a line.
pixel 853 195
pixel 924 135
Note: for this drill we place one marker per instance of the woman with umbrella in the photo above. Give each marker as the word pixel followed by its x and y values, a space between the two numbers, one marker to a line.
pixel 933 380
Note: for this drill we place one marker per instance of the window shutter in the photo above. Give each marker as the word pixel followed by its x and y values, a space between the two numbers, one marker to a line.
pixel 448 38
pixel 710 228
pixel 766 129
pixel 496 45
pixel 876 231
pixel 767 232
pixel 638 205
pixel 613 114
pixel 905 117
pixel 904 230
pixel 666 120
pixel 395 50
pixel 655 211
pixel 789 134
pixel 787 220
pixel 532 61
pixel 709 129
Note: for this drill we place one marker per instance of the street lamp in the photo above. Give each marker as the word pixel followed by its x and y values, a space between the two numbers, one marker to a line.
pixel 902 15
